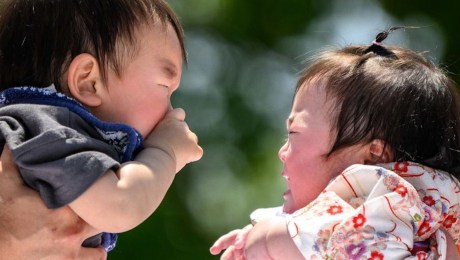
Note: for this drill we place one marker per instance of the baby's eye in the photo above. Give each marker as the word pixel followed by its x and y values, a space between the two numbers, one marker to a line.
pixel 164 86
pixel 287 136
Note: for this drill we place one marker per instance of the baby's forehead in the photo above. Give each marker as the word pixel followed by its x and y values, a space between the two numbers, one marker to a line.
pixel 130 45
pixel 317 90
pixel 315 86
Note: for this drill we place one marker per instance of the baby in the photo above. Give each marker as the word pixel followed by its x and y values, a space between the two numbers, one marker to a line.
pixel 371 163
pixel 85 108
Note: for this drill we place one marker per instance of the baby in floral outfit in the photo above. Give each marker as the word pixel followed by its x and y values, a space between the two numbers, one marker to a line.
pixel 371 163
pixel 394 210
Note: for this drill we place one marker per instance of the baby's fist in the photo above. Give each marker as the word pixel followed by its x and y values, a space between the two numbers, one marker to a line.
pixel 173 136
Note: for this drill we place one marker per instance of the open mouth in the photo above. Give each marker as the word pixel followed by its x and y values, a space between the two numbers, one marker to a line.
pixel 286 194
pixel 288 190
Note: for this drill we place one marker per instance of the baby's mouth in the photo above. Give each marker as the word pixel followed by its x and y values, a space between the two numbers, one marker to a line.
pixel 286 178
pixel 286 194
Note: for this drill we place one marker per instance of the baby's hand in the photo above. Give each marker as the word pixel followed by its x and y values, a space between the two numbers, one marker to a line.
pixel 173 136
pixel 233 243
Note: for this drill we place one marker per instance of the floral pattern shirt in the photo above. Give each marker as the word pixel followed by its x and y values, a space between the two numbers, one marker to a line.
pixel 388 211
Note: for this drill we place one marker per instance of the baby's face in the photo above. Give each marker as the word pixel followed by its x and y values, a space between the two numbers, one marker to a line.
pixel 306 167
pixel 140 97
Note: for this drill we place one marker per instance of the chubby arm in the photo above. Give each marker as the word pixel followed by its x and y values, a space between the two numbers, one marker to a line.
pixel 270 239
pixel 119 201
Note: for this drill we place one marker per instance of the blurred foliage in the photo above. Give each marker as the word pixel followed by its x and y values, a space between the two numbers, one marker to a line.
pixel 445 16
pixel 237 90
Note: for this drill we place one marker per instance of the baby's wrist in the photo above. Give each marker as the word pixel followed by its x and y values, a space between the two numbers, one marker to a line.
pixel 155 156
pixel 168 152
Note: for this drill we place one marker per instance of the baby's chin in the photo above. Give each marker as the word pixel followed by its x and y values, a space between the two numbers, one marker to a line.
pixel 289 205
pixel 287 208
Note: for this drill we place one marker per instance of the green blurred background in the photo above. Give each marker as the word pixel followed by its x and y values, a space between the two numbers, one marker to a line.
pixel 244 56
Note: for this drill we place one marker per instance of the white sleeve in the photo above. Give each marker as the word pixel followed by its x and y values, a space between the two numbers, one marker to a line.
pixel 264 213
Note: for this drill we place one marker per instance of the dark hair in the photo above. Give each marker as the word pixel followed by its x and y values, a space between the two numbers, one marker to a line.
pixel 39 38
pixel 393 94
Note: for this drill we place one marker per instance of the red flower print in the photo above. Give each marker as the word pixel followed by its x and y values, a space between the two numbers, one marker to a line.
pixel 425 227
pixel 376 255
pixel 449 221
pixel 428 200
pixel 335 209
pixel 401 166
pixel 359 221
pixel 401 189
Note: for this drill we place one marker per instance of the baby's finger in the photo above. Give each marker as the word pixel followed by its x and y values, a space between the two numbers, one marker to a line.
pixel 177 113
pixel 229 254
pixel 238 254
pixel 233 253
pixel 218 246
pixel 198 154
pixel 240 239
pixel 224 242
pixel 191 134
pixel 215 250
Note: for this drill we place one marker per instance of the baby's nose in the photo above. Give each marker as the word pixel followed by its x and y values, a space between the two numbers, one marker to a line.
pixel 282 152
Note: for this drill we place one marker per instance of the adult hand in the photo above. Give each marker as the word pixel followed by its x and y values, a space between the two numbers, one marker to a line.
pixel 29 230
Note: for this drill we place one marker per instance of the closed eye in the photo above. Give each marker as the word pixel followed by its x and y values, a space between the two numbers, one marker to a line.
pixel 171 72
pixel 289 133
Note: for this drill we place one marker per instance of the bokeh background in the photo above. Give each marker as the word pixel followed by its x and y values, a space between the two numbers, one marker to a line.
pixel 244 58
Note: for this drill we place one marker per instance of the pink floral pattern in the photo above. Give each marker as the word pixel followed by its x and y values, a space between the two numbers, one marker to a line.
pixel 378 212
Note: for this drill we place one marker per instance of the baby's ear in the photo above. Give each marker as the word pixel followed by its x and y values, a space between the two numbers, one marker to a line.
pixel 379 152
pixel 84 80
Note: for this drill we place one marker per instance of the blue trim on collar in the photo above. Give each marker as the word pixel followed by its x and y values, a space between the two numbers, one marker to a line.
pixel 48 96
